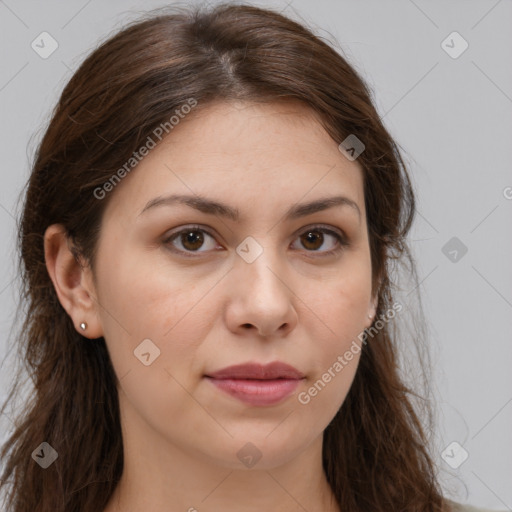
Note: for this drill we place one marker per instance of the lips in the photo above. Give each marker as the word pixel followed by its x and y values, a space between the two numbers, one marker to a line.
pixel 257 384
pixel 272 371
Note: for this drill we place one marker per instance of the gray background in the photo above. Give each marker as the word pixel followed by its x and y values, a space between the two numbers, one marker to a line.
pixel 452 118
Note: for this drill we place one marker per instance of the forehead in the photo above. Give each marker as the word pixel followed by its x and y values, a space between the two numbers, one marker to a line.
pixel 241 151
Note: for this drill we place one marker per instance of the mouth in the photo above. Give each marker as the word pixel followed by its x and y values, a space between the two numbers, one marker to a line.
pixel 257 391
pixel 257 384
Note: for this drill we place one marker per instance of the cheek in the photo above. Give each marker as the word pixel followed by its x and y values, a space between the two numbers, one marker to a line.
pixel 343 300
pixel 152 327
pixel 326 392
pixel 342 307
pixel 335 357
pixel 141 302
pixel 143 296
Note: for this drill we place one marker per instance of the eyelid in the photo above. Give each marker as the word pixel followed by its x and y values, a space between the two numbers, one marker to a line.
pixel 325 227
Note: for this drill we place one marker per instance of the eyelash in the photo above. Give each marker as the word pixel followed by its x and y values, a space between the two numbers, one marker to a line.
pixel 341 239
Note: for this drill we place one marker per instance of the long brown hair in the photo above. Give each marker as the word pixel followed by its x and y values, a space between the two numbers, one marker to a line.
pixel 375 452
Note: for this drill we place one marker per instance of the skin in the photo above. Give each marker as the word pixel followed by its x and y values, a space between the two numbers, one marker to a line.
pixel 294 303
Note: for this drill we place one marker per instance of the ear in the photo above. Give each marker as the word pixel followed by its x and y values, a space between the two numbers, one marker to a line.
pixel 72 281
pixel 372 308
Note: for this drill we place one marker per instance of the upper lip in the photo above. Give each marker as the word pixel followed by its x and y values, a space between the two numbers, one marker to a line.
pixel 275 370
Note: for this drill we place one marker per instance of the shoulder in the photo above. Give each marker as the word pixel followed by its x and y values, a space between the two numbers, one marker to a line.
pixel 458 507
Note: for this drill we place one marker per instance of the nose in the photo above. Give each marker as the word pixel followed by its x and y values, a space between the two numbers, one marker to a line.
pixel 262 299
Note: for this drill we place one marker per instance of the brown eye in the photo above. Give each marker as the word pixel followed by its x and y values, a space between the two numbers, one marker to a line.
pixel 312 240
pixel 317 237
pixel 190 240
pixel 195 240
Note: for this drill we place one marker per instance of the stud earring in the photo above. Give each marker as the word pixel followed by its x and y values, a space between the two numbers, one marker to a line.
pixel 83 326
pixel 370 317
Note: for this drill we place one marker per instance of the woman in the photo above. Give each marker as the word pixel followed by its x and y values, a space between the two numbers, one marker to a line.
pixel 207 240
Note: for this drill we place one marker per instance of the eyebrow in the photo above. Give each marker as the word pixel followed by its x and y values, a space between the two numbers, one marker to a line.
pixel 211 207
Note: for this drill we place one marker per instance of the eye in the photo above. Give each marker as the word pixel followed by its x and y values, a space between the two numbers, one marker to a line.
pixel 193 238
pixel 190 240
pixel 314 238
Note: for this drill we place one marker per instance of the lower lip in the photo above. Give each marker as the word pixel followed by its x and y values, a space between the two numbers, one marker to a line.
pixel 257 392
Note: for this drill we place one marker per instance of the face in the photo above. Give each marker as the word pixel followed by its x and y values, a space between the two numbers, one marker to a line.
pixel 182 291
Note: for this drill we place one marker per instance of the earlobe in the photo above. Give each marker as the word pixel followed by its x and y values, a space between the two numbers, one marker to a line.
pixel 68 277
pixel 375 302
pixel 372 311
